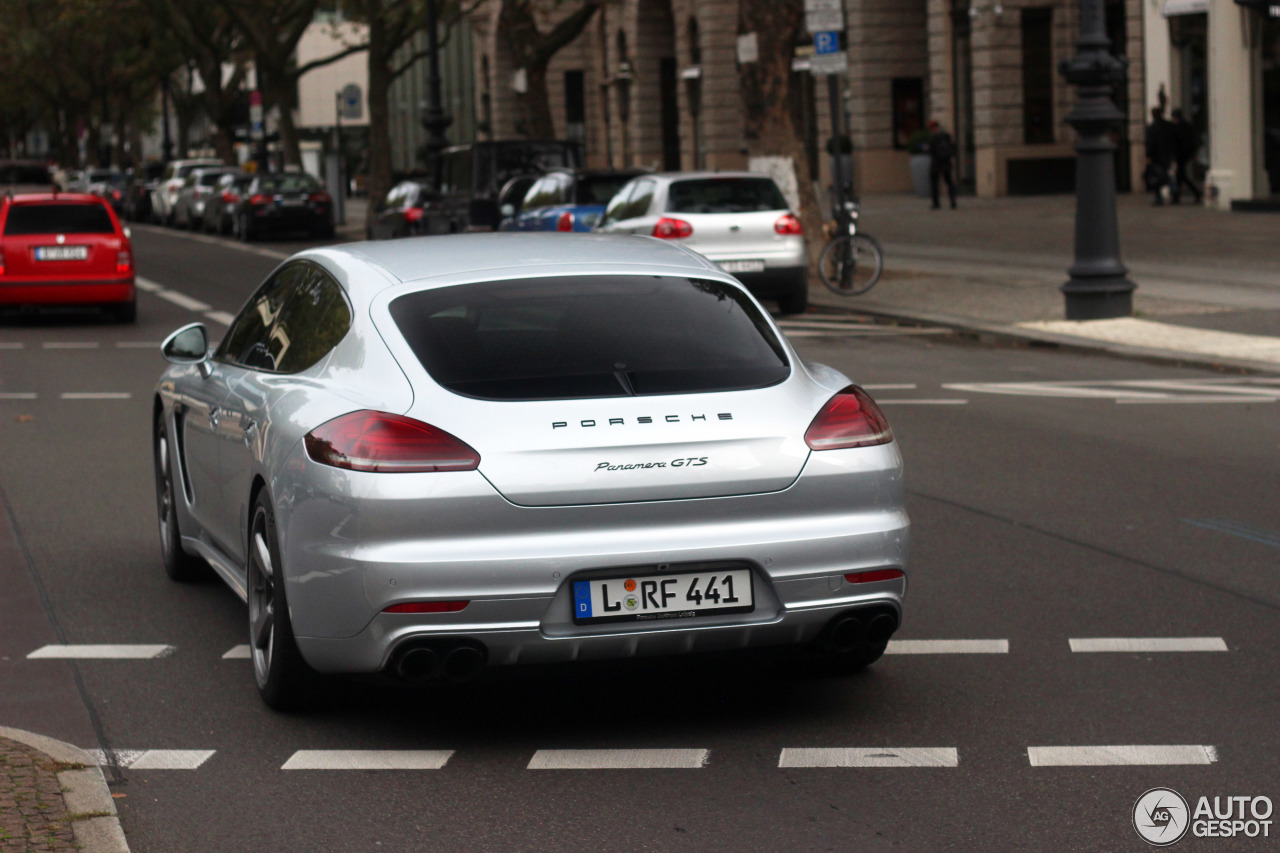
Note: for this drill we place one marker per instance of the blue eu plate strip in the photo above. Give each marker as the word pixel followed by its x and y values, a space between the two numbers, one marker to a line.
pixel 582 599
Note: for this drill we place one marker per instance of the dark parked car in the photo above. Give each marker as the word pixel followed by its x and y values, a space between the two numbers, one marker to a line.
pixel 24 176
pixel 110 186
pixel 569 200
pixel 220 208
pixel 137 196
pixel 293 201
pixel 472 176
pixel 401 213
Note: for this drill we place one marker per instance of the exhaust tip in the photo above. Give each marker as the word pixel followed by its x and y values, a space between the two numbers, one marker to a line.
pixel 463 662
pixel 418 664
pixel 846 633
pixel 882 628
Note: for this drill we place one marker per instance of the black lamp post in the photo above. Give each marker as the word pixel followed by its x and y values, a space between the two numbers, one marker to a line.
pixel 166 147
pixel 1099 286
pixel 434 118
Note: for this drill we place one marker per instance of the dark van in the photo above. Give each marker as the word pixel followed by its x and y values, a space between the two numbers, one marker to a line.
pixel 471 176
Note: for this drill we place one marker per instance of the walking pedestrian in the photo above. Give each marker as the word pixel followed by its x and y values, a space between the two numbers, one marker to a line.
pixel 942 150
pixel 1185 137
pixel 1162 147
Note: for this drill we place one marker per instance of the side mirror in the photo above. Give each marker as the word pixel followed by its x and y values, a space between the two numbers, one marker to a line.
pixel 188 345
pixel 508 210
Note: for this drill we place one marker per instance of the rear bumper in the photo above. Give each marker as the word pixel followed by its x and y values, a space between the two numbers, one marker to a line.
pixel 775 281
pixel 67 292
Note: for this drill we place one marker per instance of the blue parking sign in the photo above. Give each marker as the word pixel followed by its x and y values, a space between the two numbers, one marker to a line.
pixel 826 42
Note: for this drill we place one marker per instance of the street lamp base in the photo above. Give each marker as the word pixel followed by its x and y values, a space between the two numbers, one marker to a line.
pixel 1098 304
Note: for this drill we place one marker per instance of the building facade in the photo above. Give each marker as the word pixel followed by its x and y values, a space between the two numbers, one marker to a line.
pixel 657 83
pixel 1219 62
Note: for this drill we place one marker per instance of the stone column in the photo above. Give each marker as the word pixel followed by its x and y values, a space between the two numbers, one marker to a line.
pixel 1231 87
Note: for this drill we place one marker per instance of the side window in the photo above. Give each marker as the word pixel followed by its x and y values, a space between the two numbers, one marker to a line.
pixel 564 190
pixel 315 318
pixel 618 205
pixel 247 341
pixel 640 200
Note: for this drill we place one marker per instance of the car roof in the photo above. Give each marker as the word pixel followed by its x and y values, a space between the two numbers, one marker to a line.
pixel 457 258
pixel 685 176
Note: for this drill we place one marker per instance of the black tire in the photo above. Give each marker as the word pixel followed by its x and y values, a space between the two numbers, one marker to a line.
pixel 867 264
pixel 794 303
pixel 127 312
pixel 284 680
pixel 178 564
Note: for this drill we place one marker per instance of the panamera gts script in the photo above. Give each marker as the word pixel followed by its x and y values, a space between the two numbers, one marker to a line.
pixel 644 419
pixel 690 462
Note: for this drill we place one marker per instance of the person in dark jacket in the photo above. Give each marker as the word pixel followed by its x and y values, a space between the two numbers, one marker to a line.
pixel 942 150
pixel 1162 150
pixel 1185 137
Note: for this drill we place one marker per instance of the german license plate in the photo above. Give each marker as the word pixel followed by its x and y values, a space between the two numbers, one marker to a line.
pixel 293 202
pixel 641 598
pixel 62 253
pixel 741 266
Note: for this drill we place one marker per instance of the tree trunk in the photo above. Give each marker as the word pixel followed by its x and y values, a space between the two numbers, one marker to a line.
pixel 537 105
pixel 774 124
pixel 379 179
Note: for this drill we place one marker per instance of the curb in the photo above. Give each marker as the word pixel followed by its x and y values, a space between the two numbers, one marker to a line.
pixel 84 791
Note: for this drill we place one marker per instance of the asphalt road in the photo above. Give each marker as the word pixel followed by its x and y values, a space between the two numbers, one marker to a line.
pixel 1043 513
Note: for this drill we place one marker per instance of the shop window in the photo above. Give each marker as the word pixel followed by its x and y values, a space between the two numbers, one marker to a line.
pixel 908 109
pixel 1037 76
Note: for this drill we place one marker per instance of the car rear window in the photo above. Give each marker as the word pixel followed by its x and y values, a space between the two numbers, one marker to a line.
pixel 598 189
pixel 724 195
pixel 58 219
pixel 288 183
pixel 577 337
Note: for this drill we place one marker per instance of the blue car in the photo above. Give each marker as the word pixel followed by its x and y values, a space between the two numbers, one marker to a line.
pixel 568 200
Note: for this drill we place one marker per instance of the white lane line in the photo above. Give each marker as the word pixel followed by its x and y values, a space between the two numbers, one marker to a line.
pixel 96 395
pixel 146 284
pixel 182 300
pixel 137 345
pixel 238 653
pixel 910 386
pixel 1050 389
pixel 222 317
pixel 10 345
pixel 69 345
pixel 947 647
pixel 1108 756
pixel 1148 644
pixel 101 652
pixel 619 759
pixel 923 402
pixel 368 759
pixel 865 757
pixel 1216 398
pixel 17 395
pixel 156 759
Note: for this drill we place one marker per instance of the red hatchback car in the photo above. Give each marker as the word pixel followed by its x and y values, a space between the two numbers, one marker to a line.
pixel 62 249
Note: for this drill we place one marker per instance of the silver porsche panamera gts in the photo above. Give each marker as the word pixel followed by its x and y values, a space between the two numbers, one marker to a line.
pixel 424 456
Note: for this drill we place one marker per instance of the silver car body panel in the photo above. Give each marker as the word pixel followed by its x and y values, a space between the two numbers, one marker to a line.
pixel 539 511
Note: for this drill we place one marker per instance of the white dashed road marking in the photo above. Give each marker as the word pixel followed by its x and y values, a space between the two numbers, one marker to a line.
pixel 96 395
pixel 870 757
pixel 901 387
pixel 922 402
pixel 368 759
pixel 184 301
pixel 92 652
pixel 1148 644
pixel 220 317
pixel 947 647
pixel 146 284
pixel 238 653
pixel 1107 756
pixel 619 759
pixel 156 759
pixel 69 345
pixel 10 345
pixel 17 395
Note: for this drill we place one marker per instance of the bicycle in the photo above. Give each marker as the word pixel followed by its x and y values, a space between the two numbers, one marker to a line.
pixel 851 263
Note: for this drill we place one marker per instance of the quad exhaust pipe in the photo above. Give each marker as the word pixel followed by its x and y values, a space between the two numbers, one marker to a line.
pixel 455 660
pixel 857 629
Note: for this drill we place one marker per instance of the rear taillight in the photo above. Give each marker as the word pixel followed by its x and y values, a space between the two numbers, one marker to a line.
pixel 230 198
pixel 565 222
pixel 849 419
pixel 427 607
pixel 124 261
pixel 386 443
pixel 1 262
pixel 320 198
pixel 115 194
pixel 788 224
pixel 258 199
pixel 669 229
pixel 412 215
pixel 875 575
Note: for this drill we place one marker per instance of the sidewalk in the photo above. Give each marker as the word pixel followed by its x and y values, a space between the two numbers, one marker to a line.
pixel 1208 282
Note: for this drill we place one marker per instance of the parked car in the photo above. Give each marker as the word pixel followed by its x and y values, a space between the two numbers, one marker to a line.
pixel 739 220
pixel 25 176
pixel 65 249
pixel 293 201
pixel 569 200
pixel 422 457
pixel 197 188
pixel 511 197
pixel 171 179
pixel 401 213
pixel 472 176
pixel 220 207
pixel 109 185
pixel 137 196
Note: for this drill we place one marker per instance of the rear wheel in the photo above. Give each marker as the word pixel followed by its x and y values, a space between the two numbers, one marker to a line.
pixel 178 564
pixel 284 680
pixel 850 266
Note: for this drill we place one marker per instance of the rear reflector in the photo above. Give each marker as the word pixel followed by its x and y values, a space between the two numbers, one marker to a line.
pixel 427 607
pixel 385 443
pixel 875 575
pixel 849 419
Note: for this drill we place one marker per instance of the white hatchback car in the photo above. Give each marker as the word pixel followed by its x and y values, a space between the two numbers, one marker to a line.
pixel 738 220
